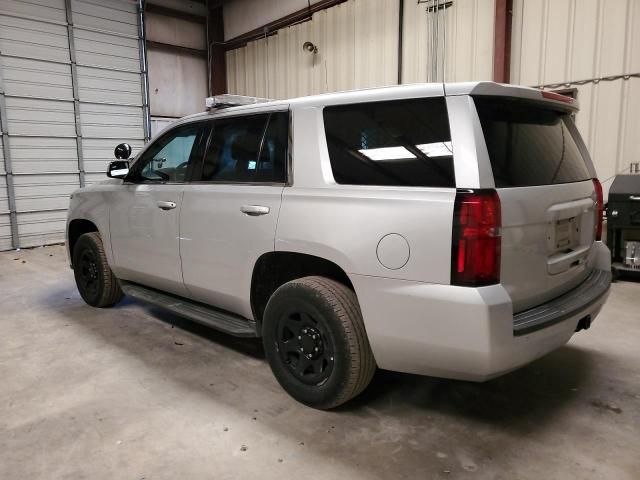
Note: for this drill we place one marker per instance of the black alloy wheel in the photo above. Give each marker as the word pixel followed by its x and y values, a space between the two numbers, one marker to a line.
pixel 305 347
pixel 88 272
pixel 316 343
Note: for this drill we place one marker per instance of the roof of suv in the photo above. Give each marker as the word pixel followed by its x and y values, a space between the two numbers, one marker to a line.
pixel 398 92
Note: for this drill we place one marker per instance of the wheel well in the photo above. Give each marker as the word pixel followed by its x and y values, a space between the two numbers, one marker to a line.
pixel 76 228
pixel 277 268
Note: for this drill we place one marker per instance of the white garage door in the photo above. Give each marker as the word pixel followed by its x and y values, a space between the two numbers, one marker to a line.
pixel 70 90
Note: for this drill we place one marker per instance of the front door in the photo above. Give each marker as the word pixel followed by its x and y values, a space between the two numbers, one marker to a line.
pixel 144 214
pixel 229 215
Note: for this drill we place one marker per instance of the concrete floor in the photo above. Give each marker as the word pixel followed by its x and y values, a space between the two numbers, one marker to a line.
pixel 133 392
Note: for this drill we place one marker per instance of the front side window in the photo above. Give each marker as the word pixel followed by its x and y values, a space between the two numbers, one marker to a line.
pixel 249 149
pixel 169 157
pixel 397 143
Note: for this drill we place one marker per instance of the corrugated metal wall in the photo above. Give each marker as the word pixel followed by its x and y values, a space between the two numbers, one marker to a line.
pixel 463 31
pixel 71 90
pixel 554 41
pixel 564 41
pixel 358 47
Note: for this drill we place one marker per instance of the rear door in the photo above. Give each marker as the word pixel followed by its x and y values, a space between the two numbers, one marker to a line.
pixel 229 215
pixel 547 196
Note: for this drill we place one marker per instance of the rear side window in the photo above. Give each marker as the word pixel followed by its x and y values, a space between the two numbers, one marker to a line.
pixel 396 143
pixel 529 144
pixel 248 149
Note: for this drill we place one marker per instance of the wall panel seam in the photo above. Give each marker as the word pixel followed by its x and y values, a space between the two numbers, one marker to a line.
pixel 88 28
pixel 144 71
pixel 568 73
pixel 11 196
pixel 74 86
pixel 624 93
pixel 50 21
pixel 595 72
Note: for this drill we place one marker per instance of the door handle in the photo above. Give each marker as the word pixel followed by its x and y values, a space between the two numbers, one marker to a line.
pixel 166 205
pixel 634 198
pixel 254 210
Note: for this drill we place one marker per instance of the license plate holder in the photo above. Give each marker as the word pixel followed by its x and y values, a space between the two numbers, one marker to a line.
pixel 566 234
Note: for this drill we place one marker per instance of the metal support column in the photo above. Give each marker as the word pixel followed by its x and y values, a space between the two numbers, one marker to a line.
pixel 11 193
pixel 216 62
pixel 76 96
pixel 502 41
pixel 144 72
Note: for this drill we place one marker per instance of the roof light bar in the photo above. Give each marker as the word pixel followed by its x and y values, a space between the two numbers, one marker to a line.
pixel 226 100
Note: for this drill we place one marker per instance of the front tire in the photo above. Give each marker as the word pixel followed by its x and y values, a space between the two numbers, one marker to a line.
pixel 316 343
pixel 97 284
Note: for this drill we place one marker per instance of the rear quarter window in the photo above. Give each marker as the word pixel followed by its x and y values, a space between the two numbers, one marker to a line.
pixel 395 143
pixel 529 144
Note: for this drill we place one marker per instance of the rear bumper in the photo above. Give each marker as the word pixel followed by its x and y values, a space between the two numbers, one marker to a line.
pixel 465 333
pixel 591 291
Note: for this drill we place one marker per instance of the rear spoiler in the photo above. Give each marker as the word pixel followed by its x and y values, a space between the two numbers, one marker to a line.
pixel 561 102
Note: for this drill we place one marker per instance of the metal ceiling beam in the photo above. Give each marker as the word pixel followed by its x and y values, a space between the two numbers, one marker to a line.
pixel 173 13
pixel 288 20
pixel 168 47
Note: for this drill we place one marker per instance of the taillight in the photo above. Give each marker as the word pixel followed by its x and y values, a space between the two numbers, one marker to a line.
pixel 557 97
pixel 600 206
pixel 475 251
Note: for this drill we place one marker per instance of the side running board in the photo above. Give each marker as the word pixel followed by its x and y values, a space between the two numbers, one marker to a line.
pixel 209 316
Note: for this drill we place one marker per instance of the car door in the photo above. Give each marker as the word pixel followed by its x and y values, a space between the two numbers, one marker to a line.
pixel 144 215
pixel 229 215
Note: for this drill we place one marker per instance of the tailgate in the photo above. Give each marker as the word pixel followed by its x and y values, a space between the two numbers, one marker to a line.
pixel 547 236
pixel 547 197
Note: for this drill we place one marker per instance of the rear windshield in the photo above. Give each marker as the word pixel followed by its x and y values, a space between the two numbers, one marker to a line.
pixel 529 144
pixel 397 143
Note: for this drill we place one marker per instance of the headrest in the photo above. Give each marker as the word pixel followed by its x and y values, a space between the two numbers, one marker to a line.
pixel 244 147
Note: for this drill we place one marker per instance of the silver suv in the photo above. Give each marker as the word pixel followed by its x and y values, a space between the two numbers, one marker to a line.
pixel 447 230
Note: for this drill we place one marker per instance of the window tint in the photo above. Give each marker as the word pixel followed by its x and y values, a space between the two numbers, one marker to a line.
pixel 169 156
pixel 248 149
pixel 529 144
pixel 405 143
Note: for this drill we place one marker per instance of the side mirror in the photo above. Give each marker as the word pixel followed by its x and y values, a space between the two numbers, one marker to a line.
pixel 118 169
pixel 122 151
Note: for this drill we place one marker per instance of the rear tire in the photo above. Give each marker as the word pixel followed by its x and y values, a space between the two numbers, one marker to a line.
pixel 97 284
pixel 316 343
